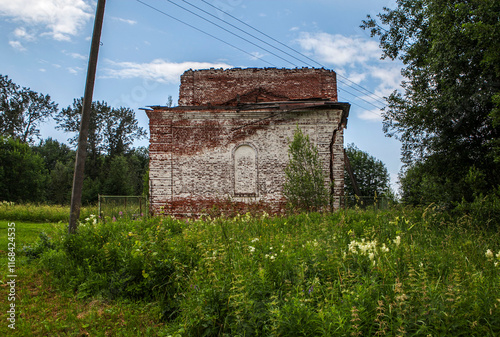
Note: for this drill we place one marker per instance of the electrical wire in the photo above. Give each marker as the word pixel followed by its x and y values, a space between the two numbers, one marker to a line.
pixel 202 31
pixel 246 40
pixel 366 91
pixel 252 55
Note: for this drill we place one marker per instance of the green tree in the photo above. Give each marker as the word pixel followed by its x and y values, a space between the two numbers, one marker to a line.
pixel 60 183
pixel 22 173
pixel 370 173
pixel 53 151
pixel 22 110
pixel 118 180
pixel 445 118
pixel 112 131
pixel 304 186
pixel 59 162
pixel 111 135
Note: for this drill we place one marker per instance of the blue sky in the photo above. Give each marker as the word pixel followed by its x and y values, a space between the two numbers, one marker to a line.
pixel 45 46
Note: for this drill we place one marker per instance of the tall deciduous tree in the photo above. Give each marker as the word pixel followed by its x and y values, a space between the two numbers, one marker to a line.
pixel 22 172
pixel 370 173
pixel 447 116
pixel 112 131
pixel 22 110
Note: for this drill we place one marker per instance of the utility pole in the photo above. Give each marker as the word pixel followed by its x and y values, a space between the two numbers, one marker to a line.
pixel 81 153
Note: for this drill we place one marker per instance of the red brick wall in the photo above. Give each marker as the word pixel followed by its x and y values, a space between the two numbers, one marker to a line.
pixel 199 154
pixel 218 86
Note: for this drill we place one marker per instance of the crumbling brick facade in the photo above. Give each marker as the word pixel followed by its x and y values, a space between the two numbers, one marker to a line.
pixel 228 138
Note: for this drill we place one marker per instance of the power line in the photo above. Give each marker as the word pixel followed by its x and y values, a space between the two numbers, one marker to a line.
pixel 200 30
pixel 241 30
pixel 230 32
pixel 366 91
pixel 244 39
pixel 253 56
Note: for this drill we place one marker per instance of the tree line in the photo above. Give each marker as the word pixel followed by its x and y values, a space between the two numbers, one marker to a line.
pixel 447 116
pixel 41 170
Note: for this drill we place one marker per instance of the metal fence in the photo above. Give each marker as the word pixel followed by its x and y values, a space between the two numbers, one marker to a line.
pixel 119 206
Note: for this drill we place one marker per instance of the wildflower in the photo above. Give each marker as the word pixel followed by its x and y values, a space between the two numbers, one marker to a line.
pixel 397 240
pixel 371 256
pixel 255 240
pixel 120 213
pixel 489 254
pixel 384 248
pixel 252 249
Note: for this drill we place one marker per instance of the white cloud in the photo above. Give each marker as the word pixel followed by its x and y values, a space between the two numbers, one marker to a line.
pixel 17 45
pixel 390 78
pixel 127 21
pixel 75 55
pixel 157 70
pixel 23 34
pixel 360 71
pixel 74 70
pixel 59 19
pixel 339 50
pixel 257 55
pixel 371 115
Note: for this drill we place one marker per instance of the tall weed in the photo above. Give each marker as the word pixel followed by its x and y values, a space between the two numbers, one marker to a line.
pixel 395 273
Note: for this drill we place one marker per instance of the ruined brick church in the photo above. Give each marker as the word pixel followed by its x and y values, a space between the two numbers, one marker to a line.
pixel 228 138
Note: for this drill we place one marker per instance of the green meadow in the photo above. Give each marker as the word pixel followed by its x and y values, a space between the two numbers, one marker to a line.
pixel 397 272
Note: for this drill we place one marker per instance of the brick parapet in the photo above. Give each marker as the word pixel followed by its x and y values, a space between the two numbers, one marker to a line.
pixel 218 86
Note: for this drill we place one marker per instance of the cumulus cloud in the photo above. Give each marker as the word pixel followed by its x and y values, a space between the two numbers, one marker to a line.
pixel 157 70
pixel 359 69
pixel 338 50
pixel 60 19
pixel 17 45
pixel 23 34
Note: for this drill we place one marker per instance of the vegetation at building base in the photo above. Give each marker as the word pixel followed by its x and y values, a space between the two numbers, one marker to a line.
pixel 404 271
pixel 304 185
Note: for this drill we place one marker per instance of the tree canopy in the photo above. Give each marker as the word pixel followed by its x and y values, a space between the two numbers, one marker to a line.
pixel 370 173
pixel 22 110
pixel 448 116
pixel 112 130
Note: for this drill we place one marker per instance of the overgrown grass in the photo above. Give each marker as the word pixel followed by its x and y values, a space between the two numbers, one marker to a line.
pixel 43 309
pixel 40 213
pixel 414 272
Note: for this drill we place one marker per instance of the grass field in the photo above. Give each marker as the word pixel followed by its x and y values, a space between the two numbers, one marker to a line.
pixel 43 309
pixel 399 272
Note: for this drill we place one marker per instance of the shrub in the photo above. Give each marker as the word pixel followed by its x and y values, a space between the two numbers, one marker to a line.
pixel 304 186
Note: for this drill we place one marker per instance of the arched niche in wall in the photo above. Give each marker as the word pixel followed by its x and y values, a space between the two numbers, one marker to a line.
pixel 245 171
